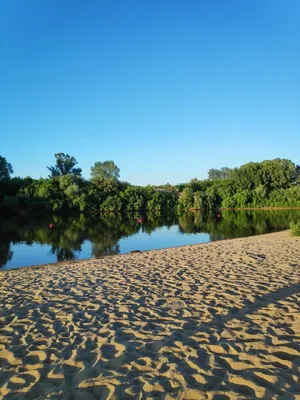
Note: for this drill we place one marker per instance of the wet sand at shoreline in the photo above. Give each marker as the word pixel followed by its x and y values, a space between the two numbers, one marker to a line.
pixel 211 321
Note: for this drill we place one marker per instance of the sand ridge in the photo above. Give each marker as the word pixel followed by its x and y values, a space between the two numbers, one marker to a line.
pixel 215 321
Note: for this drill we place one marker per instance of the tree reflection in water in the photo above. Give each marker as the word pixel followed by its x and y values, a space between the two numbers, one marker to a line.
pixel 104 232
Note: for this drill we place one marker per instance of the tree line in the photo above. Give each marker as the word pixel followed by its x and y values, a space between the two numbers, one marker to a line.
pixel 65 189
pixel 270 183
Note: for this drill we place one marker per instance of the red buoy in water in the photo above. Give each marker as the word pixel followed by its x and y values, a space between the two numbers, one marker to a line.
pixel 51 226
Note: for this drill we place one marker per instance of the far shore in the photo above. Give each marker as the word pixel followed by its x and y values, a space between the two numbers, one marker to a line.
pixel 248 208
pixel 207 321
pixel 259 208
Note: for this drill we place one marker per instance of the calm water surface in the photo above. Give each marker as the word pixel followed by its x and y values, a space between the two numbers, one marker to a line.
pixel 28 241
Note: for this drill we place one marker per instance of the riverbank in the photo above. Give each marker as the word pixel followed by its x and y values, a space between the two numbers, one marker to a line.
pixel 258 208
pixel 190 322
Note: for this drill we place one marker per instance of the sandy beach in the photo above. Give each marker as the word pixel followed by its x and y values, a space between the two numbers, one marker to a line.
pixel 213 321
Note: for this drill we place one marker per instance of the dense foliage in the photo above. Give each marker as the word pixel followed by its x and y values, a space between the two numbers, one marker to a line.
pixel 5 169
pixel 66 189
pixel 271 183
pixel 295 228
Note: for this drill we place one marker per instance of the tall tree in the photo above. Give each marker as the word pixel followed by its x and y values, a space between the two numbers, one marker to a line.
pixel 65 165
pixel 298 173
pixel 5 168
pixel 104 171
pixel 222 173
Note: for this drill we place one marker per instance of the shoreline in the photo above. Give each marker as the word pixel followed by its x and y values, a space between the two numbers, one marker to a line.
pixel 280 208
pixel 190 322
pixel 258 208
pixel 71 262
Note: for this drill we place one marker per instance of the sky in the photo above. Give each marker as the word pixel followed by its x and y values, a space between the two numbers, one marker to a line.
pixel 167 89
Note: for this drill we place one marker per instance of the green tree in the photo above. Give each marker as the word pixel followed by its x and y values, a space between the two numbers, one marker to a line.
pixel 198 201
pixel 297 178
pixel 103 171
pixel 73 188
pixel 65 165
pixel 111 204
pixel 222 173
pixel 212 199
pixel 5 168
pixel 186 198
pixel 271 174
pixel 133 199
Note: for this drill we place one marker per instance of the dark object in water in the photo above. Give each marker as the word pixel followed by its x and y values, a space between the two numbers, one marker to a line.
pixel 135 251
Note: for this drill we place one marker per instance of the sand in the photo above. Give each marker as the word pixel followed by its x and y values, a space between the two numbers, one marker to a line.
pixel 214 321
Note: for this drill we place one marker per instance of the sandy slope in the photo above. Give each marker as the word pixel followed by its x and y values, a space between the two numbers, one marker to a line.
pixel 214 321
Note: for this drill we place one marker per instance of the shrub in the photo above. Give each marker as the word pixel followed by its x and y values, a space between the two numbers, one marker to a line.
pixel 295 228
pixel 111 204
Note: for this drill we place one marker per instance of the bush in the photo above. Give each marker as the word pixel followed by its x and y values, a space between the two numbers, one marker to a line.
pixel 295 228
pixel 186 199
pixel 111 204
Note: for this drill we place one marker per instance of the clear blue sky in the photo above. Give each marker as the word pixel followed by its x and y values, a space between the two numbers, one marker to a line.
pixel 165 88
